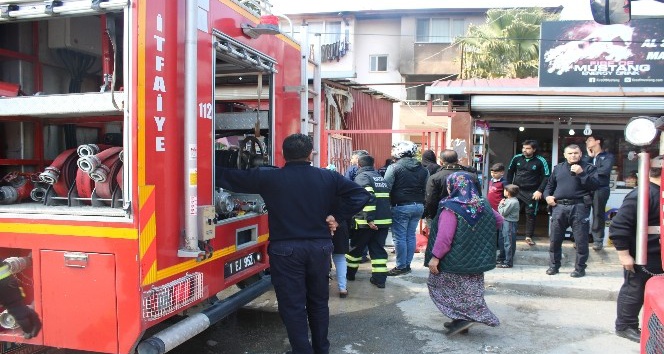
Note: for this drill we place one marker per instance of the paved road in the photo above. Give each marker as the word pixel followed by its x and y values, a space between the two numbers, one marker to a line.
pixel 539 314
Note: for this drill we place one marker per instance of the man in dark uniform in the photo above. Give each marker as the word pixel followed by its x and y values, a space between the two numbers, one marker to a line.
pixel 623 234
pixel 301 200
pixel 603 160
pixel 371 224
pixel 569 193
pixel 530 172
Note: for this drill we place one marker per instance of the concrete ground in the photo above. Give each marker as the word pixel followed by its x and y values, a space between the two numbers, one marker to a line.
pixel 540 314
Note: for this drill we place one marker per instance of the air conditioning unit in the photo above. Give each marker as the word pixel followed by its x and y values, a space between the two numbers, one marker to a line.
pixel 79 34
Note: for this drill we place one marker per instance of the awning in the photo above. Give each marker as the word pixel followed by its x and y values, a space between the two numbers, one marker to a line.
pixel 525 97
pixel 567 105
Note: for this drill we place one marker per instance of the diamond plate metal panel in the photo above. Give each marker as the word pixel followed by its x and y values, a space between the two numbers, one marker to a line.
pixel 240 120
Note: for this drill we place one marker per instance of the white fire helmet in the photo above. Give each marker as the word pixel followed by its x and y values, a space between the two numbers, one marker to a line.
pixel 404 149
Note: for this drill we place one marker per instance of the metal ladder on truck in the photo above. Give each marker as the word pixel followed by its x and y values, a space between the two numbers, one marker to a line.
pixel 310 120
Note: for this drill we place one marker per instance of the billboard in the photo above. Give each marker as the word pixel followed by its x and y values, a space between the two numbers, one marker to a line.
pixel 587 54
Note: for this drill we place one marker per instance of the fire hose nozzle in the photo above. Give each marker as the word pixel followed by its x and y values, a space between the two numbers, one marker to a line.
pixel 88 163
pixel 50 175
pixel 100 174
pixel 8 195
pixel 7 321
pixel 38 193
pixel 87 149
pixel 17 264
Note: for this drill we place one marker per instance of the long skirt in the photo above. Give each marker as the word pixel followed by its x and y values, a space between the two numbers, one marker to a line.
pixel 461 296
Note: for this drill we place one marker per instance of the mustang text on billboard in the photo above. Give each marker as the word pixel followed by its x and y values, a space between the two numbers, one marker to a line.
pixel 587 54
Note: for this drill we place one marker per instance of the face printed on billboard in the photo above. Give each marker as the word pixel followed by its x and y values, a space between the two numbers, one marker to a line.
pixel 587 54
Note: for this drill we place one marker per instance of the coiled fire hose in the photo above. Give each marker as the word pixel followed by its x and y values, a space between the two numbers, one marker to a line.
pixel 84 185
pixel 91 162
pixel 19 188
pixel 105 183
pixel 62 172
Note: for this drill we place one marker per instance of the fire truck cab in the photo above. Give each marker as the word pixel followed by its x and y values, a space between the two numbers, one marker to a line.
pixel 113 117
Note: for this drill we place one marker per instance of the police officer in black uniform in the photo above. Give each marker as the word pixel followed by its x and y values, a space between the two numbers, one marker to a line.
pixel 623 234
pixel 569 193
pixel 371 224
pixel 301 200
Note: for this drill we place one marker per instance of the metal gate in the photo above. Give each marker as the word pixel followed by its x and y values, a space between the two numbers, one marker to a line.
pixel 340 146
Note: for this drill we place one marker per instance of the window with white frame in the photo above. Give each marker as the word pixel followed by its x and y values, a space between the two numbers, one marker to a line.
pixel 439 30
pixel 378 63
pixel 330 31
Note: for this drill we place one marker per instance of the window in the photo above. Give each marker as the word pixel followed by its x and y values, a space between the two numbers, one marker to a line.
pixel 415 93
pixel 378 63
pixel 330 31
pixel 439 30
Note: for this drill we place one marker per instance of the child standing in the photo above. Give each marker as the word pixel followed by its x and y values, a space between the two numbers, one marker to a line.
pixel 494 196
pixel 496 185
pixel 509 209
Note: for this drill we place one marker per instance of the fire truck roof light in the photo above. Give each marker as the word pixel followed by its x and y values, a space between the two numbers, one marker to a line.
pixel 640 131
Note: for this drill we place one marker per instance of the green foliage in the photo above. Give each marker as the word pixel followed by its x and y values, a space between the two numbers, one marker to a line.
pixel 506 46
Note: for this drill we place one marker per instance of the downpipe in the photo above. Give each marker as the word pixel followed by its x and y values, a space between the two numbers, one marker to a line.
pixel 184 330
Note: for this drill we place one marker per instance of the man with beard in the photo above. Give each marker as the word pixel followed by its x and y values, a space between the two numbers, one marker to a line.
pixel 530 172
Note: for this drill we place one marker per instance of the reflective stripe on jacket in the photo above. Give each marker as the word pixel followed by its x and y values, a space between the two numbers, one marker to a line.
pixel 377 208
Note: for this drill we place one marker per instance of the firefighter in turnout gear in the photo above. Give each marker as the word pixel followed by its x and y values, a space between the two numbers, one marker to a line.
pixel 371 224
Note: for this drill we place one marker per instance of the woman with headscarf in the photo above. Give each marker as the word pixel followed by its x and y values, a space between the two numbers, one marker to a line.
pixel 462 246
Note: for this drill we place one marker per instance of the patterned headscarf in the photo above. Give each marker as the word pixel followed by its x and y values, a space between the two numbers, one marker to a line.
pixel 464 199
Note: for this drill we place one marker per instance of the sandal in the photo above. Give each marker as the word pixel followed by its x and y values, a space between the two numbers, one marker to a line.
pixel 530 241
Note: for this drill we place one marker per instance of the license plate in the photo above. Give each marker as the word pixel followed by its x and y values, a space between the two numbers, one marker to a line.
pixel 240 264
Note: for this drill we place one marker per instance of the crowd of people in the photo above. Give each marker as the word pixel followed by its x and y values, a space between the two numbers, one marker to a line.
pixel 468 234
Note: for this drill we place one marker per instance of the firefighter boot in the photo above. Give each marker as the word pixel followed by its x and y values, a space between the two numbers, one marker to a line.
pixel 27 319
pixel 350 273
pixel 12 299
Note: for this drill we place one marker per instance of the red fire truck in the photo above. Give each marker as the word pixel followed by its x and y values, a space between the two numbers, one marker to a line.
pixel 113 116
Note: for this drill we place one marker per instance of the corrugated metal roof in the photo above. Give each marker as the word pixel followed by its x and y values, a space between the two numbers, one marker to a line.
pixel 530 86
pixel 364 88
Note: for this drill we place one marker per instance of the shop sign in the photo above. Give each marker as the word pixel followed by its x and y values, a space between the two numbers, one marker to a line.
pixel 587 54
